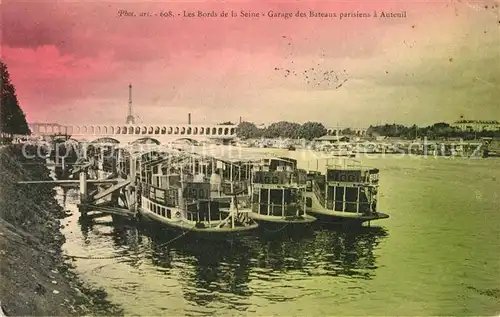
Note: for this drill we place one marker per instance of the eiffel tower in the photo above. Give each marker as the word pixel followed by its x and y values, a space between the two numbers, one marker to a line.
pixel 130 117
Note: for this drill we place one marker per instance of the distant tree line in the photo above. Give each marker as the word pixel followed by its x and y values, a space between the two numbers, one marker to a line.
pixel 439 130
pixel 282 129
pixel 312 130
pixel 12 117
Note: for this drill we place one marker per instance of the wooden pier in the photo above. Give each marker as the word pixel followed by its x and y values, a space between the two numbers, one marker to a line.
pixel 102 198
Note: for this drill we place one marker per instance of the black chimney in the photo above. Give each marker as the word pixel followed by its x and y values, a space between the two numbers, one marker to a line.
pixel 189 118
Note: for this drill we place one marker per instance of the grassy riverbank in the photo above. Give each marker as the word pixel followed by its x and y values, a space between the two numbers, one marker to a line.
pixel 36 277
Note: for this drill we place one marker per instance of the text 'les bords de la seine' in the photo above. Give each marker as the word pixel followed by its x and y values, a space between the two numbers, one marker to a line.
pixel 269 14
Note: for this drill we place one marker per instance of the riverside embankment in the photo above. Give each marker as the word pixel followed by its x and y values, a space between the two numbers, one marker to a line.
pixel 37 279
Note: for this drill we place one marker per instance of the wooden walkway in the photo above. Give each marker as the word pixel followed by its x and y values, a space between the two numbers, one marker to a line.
pixel 111 190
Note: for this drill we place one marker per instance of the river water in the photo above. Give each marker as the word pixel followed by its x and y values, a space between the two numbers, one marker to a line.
pixel 438 254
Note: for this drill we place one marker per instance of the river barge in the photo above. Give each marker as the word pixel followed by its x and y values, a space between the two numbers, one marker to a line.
pixel 178 190
pixel 278 192
pixel 347 192
pixel 271 187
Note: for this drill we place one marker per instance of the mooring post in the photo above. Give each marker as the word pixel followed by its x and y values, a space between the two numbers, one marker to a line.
pixel 131 187
pixel 83 187
pixel 132 170
pixel 83 193
pixel 232 204
pixel 84 149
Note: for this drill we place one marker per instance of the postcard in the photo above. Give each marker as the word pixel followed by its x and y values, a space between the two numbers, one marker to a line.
pixel 254 158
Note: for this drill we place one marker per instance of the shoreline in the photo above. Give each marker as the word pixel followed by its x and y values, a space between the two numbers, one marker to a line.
pixel 37 278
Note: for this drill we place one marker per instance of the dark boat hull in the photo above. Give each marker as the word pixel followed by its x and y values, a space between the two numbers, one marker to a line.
pixel 351 219
pixel 289 226
pixel 226 235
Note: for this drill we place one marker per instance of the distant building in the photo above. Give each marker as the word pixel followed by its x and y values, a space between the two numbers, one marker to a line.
pixel 333 139
pixel 477 125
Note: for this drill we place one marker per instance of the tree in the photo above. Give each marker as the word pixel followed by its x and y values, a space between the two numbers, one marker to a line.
pixel 225 123
pixel 12 117
pixel 282 129
pixel 347 131
pixel 248 130
pixel 312 130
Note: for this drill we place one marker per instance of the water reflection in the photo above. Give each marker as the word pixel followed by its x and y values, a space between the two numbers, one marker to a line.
pixel 230 272
pixel 331 251
pixel 209 269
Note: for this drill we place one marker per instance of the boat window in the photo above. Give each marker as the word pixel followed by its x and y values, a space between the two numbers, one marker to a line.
pixel 339 198
pixel 169 215
pixel 291 195
pixel 330 197
pixel 163 211
pixel 351 197
pixel 364 203
pixel 276 196
pixel 255 202
pixel 264 193
pixel 276 201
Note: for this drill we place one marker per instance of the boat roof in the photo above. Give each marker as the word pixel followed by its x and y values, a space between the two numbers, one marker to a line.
pixel 350 168
pixel 346 164
pixel 138 150
pixel 237 158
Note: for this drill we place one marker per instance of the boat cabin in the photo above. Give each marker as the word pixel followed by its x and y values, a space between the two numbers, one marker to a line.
pixel 275 188
pixel 201 185
pixel 351 190
pixel 346 189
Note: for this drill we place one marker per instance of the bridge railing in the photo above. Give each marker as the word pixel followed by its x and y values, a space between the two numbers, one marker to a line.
pixel 146 130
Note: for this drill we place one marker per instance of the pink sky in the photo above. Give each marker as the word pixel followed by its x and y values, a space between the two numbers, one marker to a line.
pixel 71 62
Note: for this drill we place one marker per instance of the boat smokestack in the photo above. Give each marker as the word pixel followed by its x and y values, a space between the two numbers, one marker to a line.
pixel 189 118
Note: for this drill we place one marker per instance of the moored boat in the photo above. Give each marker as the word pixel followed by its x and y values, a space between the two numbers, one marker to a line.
pixel 277 193
pixel 174 191
pixel 345 193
